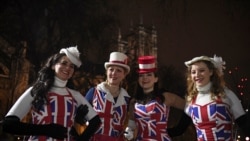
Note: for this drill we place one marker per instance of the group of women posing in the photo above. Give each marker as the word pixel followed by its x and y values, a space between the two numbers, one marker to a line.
pixel 55 107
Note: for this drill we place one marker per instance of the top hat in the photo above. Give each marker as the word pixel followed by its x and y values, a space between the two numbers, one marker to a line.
pixel 118 59
pixel 147 64
pixel 73 54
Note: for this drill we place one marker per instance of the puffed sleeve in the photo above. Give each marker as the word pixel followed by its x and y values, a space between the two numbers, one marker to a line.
pixel 22 106
pixel 235 104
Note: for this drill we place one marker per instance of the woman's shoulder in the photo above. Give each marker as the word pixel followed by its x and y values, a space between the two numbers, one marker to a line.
pixel 74 91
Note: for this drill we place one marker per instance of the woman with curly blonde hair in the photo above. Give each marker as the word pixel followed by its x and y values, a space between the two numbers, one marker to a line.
pixel 211 105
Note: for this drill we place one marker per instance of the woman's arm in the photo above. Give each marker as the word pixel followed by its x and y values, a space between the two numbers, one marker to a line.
pixel 12 122
pixel 130 129
pixel 12 125
pixel 81 100
pixel 22 106
pixel 174 100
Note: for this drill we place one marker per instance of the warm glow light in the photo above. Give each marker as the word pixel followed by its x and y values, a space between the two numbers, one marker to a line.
pixel 247 138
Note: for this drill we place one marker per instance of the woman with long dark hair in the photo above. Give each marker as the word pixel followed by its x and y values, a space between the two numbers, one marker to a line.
pixel 54 105
pixel 149 114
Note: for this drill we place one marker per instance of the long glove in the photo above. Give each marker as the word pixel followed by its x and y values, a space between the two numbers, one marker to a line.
pixel 244 122
pixel 94 123
pixel 12 125
pixel 181 127
pixel 81 112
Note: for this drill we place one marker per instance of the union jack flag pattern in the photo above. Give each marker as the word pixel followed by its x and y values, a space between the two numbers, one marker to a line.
pixel 112 116
pixel 60 110
pixel 213 121
pixel 151 120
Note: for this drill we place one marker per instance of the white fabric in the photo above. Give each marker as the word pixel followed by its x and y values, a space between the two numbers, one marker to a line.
pixel 23 104
pixel 129 133
pixel 200 58
pixel 231 99
pixel 118 59
pixel 73 55
pixel 120 100
pixel 147 66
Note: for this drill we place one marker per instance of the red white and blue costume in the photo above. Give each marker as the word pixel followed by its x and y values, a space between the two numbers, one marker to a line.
pixel 112 112
pixel 213 118
pixel 61 107
pixel 151 119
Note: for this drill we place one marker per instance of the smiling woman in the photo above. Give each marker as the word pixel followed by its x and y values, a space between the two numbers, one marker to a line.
pixel 213 107
pixel 110 100
pixel 54 105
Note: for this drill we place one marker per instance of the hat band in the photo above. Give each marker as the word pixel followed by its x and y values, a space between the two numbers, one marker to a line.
pixel 146 66
pixel 119 62
pixel 147 70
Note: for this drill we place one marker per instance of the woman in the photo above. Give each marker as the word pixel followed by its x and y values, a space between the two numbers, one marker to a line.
pixel 150 112
pixel 211 105
pixel 52 103
pixel 110 100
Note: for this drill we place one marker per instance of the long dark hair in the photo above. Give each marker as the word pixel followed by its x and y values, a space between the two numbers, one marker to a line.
pixel 155 94
pixel 45 81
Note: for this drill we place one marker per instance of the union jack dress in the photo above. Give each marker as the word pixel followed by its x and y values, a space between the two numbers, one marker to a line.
pixel 112 112
pixel 213 121
pixel 151 119
pixel 60 110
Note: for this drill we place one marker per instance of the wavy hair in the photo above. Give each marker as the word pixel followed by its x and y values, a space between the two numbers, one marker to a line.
pixel 217 81
pixel 155 94
pixel 45 81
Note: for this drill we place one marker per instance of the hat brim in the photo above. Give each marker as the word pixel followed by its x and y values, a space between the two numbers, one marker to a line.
pixel 107 64
pixel 200 58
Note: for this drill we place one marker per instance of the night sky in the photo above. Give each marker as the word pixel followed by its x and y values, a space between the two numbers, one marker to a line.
pixel 187 29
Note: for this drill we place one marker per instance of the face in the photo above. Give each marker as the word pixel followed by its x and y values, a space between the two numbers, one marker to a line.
pixel 200 74
pixel 64 69
pixel 115 75
pixel 147 81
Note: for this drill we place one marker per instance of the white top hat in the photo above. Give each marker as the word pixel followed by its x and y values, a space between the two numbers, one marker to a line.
pixel 73 55
pixel 118 59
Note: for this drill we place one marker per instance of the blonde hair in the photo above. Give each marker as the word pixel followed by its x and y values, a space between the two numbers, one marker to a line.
pixel 217 80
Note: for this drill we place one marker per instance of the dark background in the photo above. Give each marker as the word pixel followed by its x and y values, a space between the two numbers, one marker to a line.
pixel 185 29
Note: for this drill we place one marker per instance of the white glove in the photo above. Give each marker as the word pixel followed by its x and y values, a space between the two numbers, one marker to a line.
pixel 129 133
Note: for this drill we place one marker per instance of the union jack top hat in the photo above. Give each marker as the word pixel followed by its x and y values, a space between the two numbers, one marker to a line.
pixel 118 59
pixel 146 64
